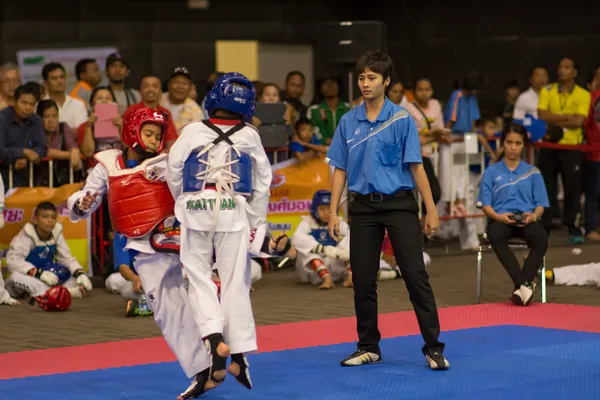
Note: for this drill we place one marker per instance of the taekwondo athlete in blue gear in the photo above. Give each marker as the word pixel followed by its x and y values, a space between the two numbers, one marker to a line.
pixel 39 258
pixel 125 280
pixel 321 260
pixel 220 178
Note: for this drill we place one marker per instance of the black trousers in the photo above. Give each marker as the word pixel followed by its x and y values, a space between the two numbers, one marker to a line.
pixel 569 165
pixel 537 240
pixel 369 222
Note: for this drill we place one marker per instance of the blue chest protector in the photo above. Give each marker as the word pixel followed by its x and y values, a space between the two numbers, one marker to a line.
pixel 322 236
pixel 42 255
pixel 238 169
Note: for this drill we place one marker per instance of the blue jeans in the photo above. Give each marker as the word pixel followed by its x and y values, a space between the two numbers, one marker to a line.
pixel 592 192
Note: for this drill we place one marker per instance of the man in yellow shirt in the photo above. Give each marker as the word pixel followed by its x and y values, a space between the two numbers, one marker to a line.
pixel 564 105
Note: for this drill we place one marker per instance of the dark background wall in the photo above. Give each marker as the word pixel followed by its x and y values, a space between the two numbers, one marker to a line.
pixel 442 40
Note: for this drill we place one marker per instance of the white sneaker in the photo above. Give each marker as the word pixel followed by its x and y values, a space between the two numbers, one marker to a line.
pixel 527 290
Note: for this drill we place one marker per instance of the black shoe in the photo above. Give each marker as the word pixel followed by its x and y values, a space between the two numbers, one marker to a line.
pixel 437 361
pixel 197 388
pixel 218 362
pixel 361 357
pixel 244 376
pixel 517 297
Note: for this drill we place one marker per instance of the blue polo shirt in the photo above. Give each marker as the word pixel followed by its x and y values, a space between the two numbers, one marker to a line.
pixel 462 110
pixel 518 191
pixel 376 155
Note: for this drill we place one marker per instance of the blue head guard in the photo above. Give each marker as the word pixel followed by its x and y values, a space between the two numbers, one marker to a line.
pixel 320 198
pixel 61 271
pixel 226 95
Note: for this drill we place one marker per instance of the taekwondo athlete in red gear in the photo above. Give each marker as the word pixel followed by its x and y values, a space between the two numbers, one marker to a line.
pixel 141 208
pixel 220 178
pixel 39 258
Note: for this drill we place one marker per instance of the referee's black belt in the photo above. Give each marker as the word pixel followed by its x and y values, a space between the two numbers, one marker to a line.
pixel 377 197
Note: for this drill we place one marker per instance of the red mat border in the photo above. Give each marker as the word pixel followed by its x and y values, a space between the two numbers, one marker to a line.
pixel 297 335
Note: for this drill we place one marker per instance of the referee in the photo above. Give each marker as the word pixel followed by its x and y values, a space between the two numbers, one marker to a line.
pixel 376 147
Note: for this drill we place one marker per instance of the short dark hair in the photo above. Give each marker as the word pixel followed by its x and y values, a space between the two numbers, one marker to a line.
pixel 44 105
pixel 27 88
pixel 44 206
pixel 511 83
pixel 484 120
pixel 376 61
pixel 303 121
pixel 50 67
pixel 422 78
pixel 537 67
pixel 81 66
pixel 472 81
pixel 294 73
pixel 575 63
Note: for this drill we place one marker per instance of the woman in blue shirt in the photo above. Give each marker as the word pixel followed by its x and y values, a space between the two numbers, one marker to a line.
pixel 513 196
pixel 376 149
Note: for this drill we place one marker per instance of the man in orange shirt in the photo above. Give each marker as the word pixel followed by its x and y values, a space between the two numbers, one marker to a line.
pixel 150 92
pixel 88 77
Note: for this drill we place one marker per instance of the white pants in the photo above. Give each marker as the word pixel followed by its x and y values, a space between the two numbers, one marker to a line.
pixel 233 316
pixel 19 284
pixel 116 284
pixel 337 268
pixel 578 275
pixel 452 173
pixel 162 281
pixel 256 271
pixel 4 295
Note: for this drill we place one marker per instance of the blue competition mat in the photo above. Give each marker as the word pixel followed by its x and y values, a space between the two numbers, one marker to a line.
pixel 503 362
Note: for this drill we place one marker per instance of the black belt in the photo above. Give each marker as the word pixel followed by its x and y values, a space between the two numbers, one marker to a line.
pixel 377 197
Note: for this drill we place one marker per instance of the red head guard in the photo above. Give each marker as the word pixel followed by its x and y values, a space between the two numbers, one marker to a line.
pixel 132 128
pixel 57 298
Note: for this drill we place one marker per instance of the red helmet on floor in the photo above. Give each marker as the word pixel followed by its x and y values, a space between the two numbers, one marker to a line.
pixel 57 298
pixel 132 128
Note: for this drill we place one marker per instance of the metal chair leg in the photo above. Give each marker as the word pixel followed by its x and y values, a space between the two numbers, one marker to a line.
pixel 543 279
pixel 479 257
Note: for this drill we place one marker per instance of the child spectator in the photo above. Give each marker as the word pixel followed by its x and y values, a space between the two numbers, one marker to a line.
pixel 305 143
pixel 125 281
pixel 321 260
pixel 39 258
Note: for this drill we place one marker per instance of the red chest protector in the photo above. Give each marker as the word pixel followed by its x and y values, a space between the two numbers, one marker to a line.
pixel 136 201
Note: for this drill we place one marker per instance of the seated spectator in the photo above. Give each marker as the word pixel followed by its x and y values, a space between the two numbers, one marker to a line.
pixel 70 110
pixel 575 275
pixel 88 77
pixel 183 109
pixel 326 116
pixel 125 281
pixel 150 91
pixel 22 137
pixel 60 145
pixel 305 143
pixel 4 295
pixel 513 196
pixel 88 143
pixel 39 258
pixel 10 79
pixel 321 260
pixel 269 93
